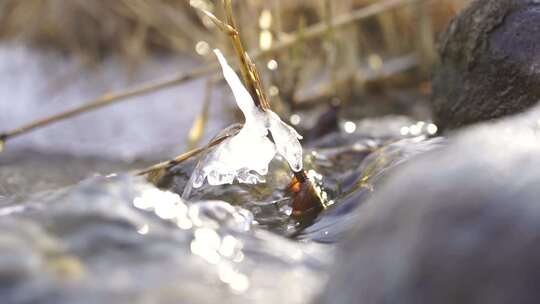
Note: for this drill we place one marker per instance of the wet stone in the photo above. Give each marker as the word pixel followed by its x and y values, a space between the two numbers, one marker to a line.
pixel 490 63
pixel 459 224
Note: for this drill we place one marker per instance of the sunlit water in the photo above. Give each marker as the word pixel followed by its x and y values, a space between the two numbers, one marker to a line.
pixel 119 239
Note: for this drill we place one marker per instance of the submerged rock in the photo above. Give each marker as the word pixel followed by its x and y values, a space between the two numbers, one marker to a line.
pixel 358 183
pixel 490 63
pixel 457 225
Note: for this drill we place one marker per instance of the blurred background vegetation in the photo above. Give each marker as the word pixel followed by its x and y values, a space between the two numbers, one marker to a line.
pixel 337 55
pixel 137 28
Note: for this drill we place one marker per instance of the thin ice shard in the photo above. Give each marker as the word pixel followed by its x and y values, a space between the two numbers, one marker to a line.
pixel 245 156
pixel 241 94
pixel 286 140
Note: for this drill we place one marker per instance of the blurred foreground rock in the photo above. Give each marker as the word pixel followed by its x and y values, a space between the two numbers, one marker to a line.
pixel 490 63
pixel 468 234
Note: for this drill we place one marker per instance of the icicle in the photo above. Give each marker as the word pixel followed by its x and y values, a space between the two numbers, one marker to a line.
pixel 245 156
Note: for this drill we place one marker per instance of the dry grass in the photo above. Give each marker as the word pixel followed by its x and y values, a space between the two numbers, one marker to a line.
pixel 97 28
pixel 135 28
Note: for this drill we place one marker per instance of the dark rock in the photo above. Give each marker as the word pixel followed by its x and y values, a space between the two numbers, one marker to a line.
pixel 468 234
pixel 490 63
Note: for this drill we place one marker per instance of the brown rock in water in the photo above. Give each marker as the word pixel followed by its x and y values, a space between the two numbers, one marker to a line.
pixel 456 225
pixel 490 63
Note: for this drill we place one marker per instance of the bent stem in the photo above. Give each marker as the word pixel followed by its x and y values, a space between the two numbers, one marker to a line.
pixel 181 158
pixel 248 70
pixel 106 100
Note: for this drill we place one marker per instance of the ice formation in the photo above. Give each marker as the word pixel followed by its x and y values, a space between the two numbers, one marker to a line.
pixel 245 156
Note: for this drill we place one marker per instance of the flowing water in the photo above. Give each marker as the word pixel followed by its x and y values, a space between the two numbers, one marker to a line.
pixel 74 232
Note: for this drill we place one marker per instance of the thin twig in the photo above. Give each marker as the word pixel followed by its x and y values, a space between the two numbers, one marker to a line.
pixel 331 49
pixel 224 27
pixel 197 129
pixel 426 37
pixel 321 28
pixel 287 42
pixel 182 157
pixel 229 28
pixel 109 99
pixel 247 67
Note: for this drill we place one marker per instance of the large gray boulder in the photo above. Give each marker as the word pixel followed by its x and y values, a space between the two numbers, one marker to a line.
pixel 456 225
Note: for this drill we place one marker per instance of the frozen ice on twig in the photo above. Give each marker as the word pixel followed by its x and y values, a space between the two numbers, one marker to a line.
pixel 286 141
pixel 245 156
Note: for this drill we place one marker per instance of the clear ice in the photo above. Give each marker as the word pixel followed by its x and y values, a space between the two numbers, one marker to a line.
pixel 245 156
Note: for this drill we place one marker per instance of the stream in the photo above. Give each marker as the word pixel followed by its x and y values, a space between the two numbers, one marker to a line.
pixel 79 227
